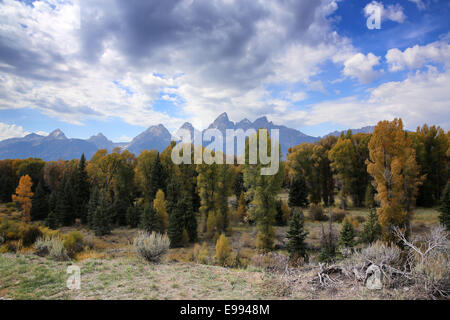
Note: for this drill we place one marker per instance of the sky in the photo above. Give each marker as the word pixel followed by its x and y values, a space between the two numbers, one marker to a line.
pixel 118 67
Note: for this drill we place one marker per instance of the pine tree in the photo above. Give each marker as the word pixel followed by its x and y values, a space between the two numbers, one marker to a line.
pixel 444 217
pixel 40 206
pixel 82 189
pixel 176 226
pixel 133 216
pixel 190 220
pixel 149 219
pixel 238 186
pixel 296 234
pixel 102 216
pixel 156 178
pixel 24 195
pixel 347 236
pixel 64 204
pixel 120 206
pixel 372 229
pixel 52 219
pixel 298 193
pixel 328 247
pixel 92 207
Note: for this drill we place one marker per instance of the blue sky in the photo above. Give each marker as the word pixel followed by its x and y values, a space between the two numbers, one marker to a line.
pixel 117 67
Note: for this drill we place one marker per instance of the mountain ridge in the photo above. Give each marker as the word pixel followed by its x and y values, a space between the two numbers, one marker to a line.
pixel 57 146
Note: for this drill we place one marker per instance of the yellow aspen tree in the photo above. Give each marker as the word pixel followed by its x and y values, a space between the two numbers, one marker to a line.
pixel 393 166
pixel 24 196
pixel 159 204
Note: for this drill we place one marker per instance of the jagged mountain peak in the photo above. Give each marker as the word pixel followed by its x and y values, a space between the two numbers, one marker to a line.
pixel 57 134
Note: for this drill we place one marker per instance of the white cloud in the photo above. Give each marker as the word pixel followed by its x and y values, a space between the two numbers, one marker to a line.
pixel 287 44
pixel 391 12
pixel 361 67
pixel 14 131
pixel 418 56
pixel 419 4
pixel 421 98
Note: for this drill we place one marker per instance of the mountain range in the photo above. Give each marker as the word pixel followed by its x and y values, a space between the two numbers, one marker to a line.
pixel 57 146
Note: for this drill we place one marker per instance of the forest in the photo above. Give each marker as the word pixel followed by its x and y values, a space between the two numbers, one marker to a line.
pixel 58 208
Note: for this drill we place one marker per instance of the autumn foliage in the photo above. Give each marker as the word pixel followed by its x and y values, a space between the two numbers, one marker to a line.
pixel 24 196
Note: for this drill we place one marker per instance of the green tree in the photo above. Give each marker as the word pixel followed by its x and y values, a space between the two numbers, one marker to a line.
pixel 102 216
pixel 298 192
pixel 372 229
pixel 92 206
pixel 157 179
pixel 262 191
pixel 296 235
pixel 133 215
pixel 176 226
pixel 149 219
pixel 444 217
pixel 347 236
pixel 82 189
pixel 40 206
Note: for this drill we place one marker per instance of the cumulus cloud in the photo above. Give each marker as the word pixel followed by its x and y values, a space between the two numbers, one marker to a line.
pixel 418 56
pixel 360 66
pixel 422 97
pixel 391 12
pixel 14 131
pixel 85 59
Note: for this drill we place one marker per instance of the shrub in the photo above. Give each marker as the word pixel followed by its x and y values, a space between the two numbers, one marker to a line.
pixel 338 215
pixel 52 247
pixel 316 213
pixel 271 261
pixel 203 256
pixel 223 250
pixel 151 246
pixel 73 243
pixel 2 239
pixel 246 241
pixel 29 235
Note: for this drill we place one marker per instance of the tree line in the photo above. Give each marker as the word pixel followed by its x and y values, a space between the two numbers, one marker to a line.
pixel 390 168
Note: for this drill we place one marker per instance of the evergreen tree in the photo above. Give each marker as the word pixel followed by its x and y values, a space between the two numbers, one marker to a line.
pixel 82 189
pixel 190 220
pixel 328 247
pixel 120 206
pixel 444 217
pixel 133 216
pixel 149 219
pixel 92 207
pixel 102 216
pixel 64 209
pixel 238 186
pixel 372 229
pixel 296 234
pixel 176 225
pixel 156 178
pixel 347 236
pixel 298 193
pixel 52 219
pixel 40 206
pixel 279 215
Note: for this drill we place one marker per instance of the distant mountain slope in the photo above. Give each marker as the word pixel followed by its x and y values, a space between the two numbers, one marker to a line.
pixel 57 146
pixel 367 129
pixel 155 137
pixel 288 137
pixel 53 147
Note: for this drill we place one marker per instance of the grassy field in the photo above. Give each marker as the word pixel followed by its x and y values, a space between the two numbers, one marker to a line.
pixel 111 270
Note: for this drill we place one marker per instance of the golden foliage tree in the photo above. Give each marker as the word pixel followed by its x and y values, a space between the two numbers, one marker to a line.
pixel 223 250
pixel 24 196
pixel 159 204
pixel 393 166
